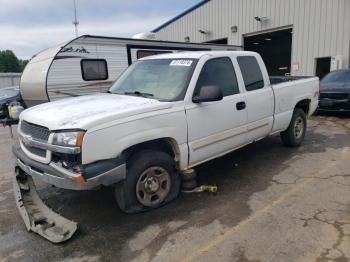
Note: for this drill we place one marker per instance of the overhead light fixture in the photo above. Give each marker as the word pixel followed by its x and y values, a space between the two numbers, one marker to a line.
pixel 268 39
pixel 203 32
pixel 283 68
pixel 261 19
pixel 256 43
pixel 234 29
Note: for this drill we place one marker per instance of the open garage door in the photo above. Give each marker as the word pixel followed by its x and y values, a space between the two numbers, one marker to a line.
pixel 275 48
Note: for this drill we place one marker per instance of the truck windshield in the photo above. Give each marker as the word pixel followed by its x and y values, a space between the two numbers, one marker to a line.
pixel 161 79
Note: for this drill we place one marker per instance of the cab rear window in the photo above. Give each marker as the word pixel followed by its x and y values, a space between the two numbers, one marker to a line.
pixel 251 72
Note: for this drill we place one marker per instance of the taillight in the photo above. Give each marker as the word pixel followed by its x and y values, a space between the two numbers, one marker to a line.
pixel 317 93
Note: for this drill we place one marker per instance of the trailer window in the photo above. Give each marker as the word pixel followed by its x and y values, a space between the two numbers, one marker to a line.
pixel 94 69
pixel 144 53
pixel 251 72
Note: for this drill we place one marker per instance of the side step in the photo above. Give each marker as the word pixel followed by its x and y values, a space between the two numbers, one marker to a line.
pixel 38 217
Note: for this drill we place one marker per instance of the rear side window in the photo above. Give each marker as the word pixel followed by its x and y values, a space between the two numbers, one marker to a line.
pixel 251 72
pixel 219 72
pixel 94 69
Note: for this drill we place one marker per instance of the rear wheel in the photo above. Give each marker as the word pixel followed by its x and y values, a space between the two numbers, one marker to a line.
pixel 152 180
pixel 295 133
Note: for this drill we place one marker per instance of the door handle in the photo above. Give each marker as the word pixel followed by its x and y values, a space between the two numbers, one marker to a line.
pixel 241 105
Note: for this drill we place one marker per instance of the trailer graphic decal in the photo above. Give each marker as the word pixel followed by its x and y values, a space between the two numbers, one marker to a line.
pixel 74 50
pixel 69 56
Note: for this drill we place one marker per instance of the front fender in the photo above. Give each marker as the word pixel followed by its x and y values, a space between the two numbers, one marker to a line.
pixel 109 142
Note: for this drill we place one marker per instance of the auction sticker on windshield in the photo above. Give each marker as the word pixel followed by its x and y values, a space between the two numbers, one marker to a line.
pixel 181 63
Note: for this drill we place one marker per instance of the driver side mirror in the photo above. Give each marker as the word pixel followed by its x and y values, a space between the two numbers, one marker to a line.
pixel 208 94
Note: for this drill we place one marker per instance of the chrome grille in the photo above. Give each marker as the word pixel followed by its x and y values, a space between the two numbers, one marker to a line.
pixel 36 151
pixel 35 131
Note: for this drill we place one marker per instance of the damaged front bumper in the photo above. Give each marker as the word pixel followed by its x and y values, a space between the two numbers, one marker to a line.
pixel 106 172
pixel 36 215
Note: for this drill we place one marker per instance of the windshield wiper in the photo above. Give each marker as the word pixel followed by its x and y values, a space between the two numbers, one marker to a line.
pixel 138 93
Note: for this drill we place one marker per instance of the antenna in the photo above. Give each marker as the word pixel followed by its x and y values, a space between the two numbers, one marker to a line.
pixel 75 22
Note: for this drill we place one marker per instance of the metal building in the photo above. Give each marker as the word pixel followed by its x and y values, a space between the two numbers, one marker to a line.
pixel 9 79
pixel 297 37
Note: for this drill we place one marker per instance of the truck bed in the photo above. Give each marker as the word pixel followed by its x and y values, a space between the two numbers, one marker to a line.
pixel 289 92
pixel 281 79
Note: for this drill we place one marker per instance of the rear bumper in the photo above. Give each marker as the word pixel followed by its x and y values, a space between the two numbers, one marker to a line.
pixel 104 173
pixel 334 105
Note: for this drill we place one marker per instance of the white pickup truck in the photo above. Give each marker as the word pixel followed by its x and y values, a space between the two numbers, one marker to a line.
pixel 165 114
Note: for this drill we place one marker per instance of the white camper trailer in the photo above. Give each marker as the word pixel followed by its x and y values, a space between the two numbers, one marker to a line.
pixel 89 64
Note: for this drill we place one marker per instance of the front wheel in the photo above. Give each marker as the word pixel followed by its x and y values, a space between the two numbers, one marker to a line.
pixel 152 180
pixel 295 133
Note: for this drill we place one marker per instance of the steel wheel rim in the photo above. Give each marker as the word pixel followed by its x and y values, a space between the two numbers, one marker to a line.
pixel 153 186
pixel 299 127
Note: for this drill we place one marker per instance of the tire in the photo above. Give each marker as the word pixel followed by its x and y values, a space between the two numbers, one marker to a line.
pixel 152 180
pixel 295 133
pixel 189 176
pixel 189 185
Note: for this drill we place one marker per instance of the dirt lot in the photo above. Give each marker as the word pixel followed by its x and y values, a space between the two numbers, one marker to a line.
pixel 274 204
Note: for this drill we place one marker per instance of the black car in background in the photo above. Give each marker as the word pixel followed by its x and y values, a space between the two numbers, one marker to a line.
pixel 335 91
pixel 8 95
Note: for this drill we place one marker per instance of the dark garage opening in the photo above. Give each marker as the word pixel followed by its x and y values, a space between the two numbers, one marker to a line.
pixel 275 48
pixel 323 66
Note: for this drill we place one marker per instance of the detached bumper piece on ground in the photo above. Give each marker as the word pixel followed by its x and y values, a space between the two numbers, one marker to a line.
pixel 36 215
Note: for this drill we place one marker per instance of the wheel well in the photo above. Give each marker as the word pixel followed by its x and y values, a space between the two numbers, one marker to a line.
pixel 304 105
pixel 166 145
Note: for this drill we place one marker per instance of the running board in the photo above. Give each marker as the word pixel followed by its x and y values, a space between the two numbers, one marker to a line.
pixel 38 217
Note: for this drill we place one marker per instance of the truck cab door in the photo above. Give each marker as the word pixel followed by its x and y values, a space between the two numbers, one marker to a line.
pixel 215 128
pixel 259 95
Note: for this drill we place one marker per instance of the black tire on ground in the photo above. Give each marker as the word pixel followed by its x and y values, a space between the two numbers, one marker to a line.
pixel 144 167
pixel 188 176
pixel 189 185
pixel 295 133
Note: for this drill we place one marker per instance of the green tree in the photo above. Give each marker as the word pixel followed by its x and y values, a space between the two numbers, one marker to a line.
pixel 10 63
pixel 22 64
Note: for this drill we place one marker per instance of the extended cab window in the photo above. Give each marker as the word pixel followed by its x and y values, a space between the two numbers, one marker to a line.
pixel 218 72
pixel 94 69
pixel 251 72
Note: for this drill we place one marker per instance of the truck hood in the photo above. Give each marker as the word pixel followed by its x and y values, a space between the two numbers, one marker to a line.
pixel 89 111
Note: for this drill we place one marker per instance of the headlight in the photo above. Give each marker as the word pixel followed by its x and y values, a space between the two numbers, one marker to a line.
pixel 68 138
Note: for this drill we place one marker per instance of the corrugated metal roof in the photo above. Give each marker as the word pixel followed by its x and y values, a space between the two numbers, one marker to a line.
pixel 180 15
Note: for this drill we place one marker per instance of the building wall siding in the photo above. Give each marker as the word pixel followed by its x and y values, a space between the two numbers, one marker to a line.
pixel 9 79
pixel 320 27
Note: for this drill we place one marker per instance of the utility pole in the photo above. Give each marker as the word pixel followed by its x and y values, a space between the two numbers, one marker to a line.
pixel 75 22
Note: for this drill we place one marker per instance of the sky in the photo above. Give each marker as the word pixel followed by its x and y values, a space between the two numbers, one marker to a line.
pixel 29 26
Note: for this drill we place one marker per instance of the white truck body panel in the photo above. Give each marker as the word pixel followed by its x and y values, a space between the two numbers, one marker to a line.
pixel 286 97
pixel 197 131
